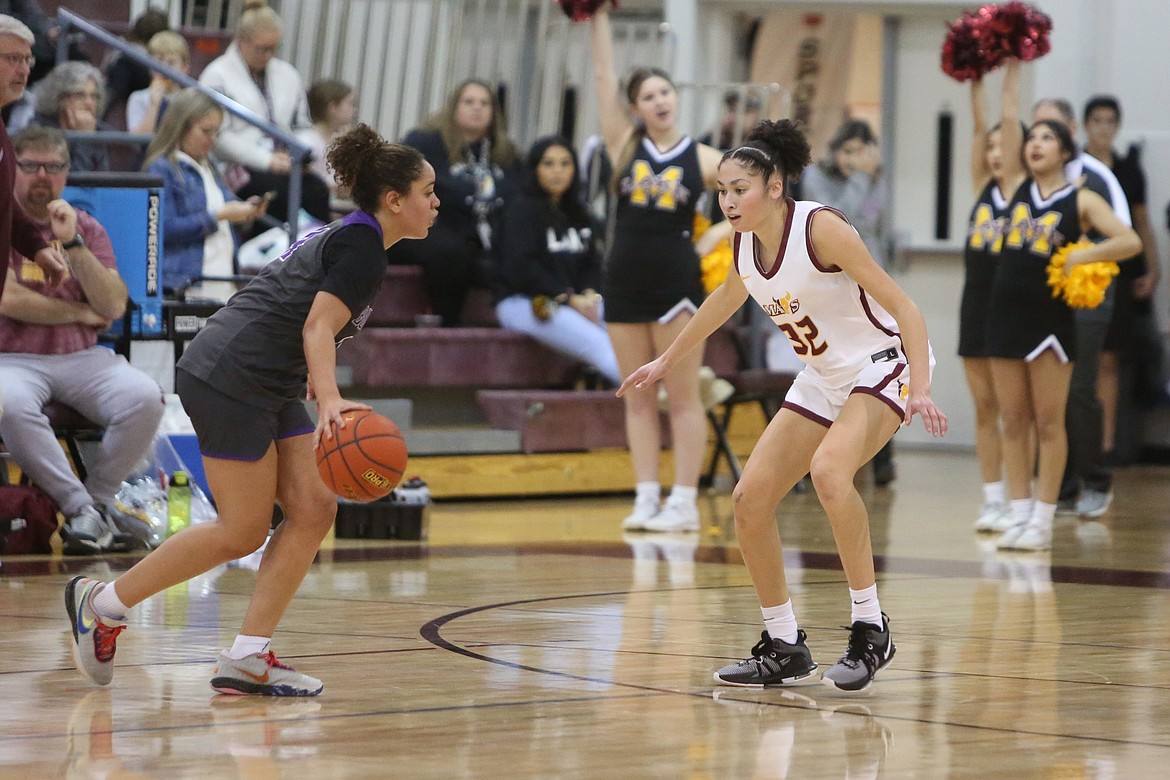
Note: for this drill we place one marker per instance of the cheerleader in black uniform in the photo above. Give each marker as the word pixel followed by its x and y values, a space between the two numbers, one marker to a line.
pixel 652 284
pixel 1030 334
pixel 997 169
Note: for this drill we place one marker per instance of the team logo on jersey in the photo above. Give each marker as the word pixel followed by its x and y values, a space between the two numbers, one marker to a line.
pixel 785 305
pixel 664 191
pixel 1039 234
pixel 903 390
pixel 986 231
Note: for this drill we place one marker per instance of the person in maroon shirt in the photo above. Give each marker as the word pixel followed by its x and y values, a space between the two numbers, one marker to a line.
pixel 49 352
pixel 17 231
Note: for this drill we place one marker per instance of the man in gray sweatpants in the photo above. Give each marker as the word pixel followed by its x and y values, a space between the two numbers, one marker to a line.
pixel 49 352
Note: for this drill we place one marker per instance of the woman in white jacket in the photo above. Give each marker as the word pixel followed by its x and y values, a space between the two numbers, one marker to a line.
pixel 250 74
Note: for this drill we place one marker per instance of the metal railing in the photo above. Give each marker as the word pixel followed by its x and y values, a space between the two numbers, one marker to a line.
pixel 298 151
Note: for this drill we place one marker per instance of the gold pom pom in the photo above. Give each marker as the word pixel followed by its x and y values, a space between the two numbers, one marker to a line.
pixel 714 264
pixel 1084 285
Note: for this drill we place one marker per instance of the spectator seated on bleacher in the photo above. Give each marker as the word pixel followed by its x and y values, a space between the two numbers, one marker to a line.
pixel 251 74
pixel 69 98
pixel 145 107
pixel 332 107
pixel 477 168
pixel 198 208
pixel 549 263
pixel 125 75
pixel 49 352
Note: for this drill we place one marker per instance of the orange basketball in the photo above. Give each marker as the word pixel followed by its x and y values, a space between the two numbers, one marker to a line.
pixel 365 460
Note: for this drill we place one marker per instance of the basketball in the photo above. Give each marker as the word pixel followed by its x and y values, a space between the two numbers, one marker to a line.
pixel 365 460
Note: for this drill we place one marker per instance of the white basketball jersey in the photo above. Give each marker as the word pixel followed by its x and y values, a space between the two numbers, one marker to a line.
pixel 835 327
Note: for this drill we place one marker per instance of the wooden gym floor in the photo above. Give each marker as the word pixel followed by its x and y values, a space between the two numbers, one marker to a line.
pixel 531 639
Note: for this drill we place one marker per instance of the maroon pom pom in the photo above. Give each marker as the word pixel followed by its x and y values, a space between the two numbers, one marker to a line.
pixel 979 42
pixel 1017 29
pixel 581 10
pixel 962 56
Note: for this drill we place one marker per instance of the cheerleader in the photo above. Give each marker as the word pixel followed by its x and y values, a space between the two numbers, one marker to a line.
pixel 1031 335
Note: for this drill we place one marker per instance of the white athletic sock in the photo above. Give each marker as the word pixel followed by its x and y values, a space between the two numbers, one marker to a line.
pixel 245 646
pixel 865 606
pixel 993 493
pixel 107 604
pixel 683 494
pixel 648 490
pixel 1022 509
pixel 1042 514
pixel 780 622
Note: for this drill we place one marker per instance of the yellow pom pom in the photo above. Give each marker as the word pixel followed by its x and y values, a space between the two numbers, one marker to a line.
pixel 701 226
pixel 1084 285
pixel 714 265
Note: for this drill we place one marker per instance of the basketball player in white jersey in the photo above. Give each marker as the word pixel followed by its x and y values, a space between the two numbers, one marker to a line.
pixel 867 371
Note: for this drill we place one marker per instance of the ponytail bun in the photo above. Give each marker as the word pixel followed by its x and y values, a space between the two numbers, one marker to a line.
pixel 366 165
pixel 348 154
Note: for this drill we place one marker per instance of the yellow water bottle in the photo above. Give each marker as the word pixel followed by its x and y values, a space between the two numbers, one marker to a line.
pixel 178 503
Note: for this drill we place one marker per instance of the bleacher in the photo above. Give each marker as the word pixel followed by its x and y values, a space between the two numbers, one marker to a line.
pixel 483 390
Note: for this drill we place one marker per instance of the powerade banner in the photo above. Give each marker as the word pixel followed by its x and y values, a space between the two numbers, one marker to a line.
pixel 129 206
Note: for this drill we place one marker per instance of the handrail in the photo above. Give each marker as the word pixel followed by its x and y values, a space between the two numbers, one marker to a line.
pixel 298 151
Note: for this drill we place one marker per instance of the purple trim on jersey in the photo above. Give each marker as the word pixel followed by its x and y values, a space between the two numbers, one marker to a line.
pixel 791 206
pixel 869 313
pixel 735 241
pixel 808 244
pixel 876 391
pixel 805 413
pixel 360 217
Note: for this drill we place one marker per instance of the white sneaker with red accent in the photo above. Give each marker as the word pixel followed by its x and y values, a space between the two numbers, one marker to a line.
pixel 263 675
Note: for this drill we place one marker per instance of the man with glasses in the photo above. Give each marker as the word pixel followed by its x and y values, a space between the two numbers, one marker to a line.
pixel 49 352
pixel 16 229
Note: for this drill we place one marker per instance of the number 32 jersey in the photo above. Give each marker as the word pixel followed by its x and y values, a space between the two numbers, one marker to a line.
pixel 835 327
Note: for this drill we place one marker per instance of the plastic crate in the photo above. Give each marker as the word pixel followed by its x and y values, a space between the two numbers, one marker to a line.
pixel 382 519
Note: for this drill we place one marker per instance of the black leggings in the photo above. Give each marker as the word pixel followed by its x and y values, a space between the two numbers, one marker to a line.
pixel 314 193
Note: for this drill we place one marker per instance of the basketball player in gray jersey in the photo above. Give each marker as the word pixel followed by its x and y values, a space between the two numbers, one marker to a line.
pixel 242 381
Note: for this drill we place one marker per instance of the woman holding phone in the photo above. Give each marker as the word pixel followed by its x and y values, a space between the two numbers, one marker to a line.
pixel 199 210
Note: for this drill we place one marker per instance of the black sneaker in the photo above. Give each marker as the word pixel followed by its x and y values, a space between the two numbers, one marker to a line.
pixel 870 649
pixel 773 662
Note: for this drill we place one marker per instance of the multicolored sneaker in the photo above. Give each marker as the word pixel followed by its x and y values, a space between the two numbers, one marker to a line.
pixel 870 649
pixel 94 638
pixel 261 674
pixel 773 662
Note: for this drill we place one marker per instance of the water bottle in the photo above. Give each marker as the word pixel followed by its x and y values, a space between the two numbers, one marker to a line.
pixel 178 503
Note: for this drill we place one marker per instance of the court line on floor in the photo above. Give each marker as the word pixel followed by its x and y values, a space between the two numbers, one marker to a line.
pixel 808 559
pixel 431 632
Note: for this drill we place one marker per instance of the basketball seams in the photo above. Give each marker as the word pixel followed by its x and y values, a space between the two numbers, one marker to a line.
pixel 355 480
pixel 358 449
